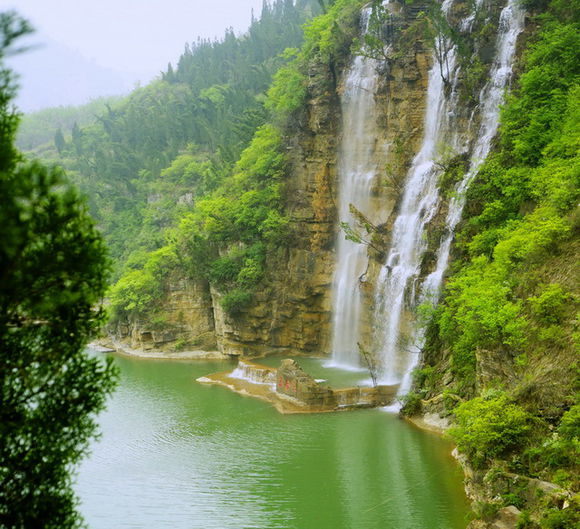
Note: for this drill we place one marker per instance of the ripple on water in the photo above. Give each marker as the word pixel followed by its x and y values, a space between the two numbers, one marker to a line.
pixel 180 455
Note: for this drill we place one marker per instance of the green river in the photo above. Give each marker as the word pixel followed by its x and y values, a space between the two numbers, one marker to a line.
pixel 178 454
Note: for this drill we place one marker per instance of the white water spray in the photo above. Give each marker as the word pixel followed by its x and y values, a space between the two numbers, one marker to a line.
pixel 511 24
pixel 397 281
pixel 398 290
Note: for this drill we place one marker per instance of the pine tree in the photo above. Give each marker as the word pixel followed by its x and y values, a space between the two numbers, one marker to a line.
pixel 59 141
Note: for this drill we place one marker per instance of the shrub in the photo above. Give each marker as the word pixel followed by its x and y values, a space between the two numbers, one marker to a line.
pixel 288 91
pixel 562 519
pixel 138 290
pixel 235 301
pixel 411 404
pixel 549 306
pixel 489 427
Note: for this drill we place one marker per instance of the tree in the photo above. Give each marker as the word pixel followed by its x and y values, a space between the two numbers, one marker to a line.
pixel 53 272
pixel 59 141
pixel 442 37
pixel 371 363
pixel 376 40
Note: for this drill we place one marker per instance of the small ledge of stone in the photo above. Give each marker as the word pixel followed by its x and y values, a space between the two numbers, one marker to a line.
pixel 292 390
pixel 114 346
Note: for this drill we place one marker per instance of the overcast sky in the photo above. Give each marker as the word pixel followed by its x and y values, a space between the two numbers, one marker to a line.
pixel 133 38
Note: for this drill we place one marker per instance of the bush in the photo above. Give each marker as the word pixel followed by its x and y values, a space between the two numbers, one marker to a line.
pixel 225 269
pixel 549 306
pixel 562 519
pixel 138 290
pixel 489 427
pixel 561 452
pixel 288 91
pixel 236 301
pixel 411 404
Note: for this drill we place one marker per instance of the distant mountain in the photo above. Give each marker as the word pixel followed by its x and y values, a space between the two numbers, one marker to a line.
pixel 52 74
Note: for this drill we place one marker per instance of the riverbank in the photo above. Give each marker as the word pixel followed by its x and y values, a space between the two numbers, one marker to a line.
pixel 114 346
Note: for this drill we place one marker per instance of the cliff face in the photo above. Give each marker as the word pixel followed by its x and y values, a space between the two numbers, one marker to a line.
pixel 185 321
pixel 291 312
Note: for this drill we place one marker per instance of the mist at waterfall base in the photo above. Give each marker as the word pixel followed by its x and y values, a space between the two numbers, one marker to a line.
pixel 399 287
pixel 182 455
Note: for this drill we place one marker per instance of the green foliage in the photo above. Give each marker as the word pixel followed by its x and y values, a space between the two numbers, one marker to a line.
pixel 330 35
pixel 53 272
pixel 480 312
pixel 422 377
pixel 146 159
pixel 519 214
pixel 535 116
pixel 379 34
pixel 513 499
pixel 241 266
pixel 441 36
pixel 486 510
pixel 235 301
pixel 228 236
pixel 562 518
pixel 489 427
pixel 288 91
pixel 138 291
pixel 411 404
pixel 38 128
pixel 549 305
pixel 561 451
pixel 160 166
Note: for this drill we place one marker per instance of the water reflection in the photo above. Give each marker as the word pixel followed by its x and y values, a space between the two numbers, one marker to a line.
pixel 177 454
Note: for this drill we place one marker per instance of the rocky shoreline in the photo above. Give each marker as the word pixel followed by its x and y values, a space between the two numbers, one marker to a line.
pixel 114 346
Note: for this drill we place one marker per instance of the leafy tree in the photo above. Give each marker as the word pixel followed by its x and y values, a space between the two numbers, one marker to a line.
pixel 490 426
pixel 59 141
pixel 53 273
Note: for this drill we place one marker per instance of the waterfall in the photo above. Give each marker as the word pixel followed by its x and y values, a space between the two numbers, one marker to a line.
pixel 399 363
pixel 357 167
pixel 398 277
pixel 397 337
pixel 511 24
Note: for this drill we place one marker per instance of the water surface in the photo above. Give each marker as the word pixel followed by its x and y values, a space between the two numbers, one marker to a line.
pixel 181 455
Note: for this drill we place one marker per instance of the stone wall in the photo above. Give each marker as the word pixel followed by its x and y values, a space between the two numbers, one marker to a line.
pixel 294 382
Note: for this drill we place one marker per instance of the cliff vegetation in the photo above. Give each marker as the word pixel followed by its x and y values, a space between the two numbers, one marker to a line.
pixel 502 355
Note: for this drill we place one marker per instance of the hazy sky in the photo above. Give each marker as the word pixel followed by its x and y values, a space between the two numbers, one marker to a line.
pixel 136 38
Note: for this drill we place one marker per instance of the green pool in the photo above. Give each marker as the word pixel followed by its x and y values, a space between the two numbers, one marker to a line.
pixel 181 455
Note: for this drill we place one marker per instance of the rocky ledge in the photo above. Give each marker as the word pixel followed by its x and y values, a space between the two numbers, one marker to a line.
pixel 291 390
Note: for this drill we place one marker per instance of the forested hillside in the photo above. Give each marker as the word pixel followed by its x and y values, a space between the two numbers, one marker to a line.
pixel 41 133
pixel 146 158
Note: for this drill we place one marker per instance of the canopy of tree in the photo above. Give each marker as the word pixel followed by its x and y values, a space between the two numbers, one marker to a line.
pixel 53 272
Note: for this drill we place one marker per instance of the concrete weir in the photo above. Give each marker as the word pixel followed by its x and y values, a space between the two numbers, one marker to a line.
pixel 291 390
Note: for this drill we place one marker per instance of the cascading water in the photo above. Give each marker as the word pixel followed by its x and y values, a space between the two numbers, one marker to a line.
pixel 399 362
pixel 491 97
pixel 398 337
pixel 357 167
pixel 397 280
